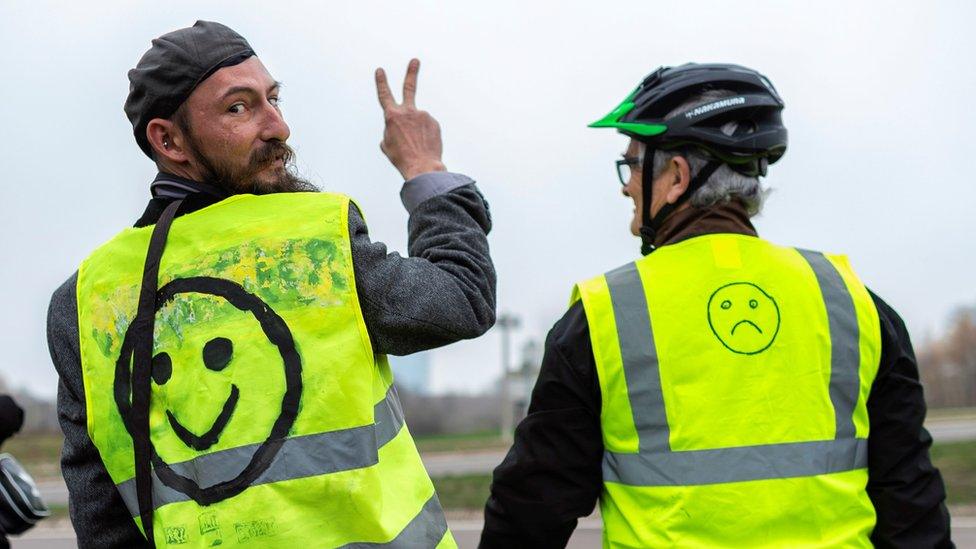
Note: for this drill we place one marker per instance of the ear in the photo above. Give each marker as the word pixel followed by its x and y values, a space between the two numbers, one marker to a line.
pixel 679 174
pixel 167 141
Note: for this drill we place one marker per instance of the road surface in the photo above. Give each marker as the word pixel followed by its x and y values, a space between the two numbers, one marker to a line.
pixel 467 533
pixel 952 430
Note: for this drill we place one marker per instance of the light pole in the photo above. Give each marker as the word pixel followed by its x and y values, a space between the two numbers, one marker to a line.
pixel 506 322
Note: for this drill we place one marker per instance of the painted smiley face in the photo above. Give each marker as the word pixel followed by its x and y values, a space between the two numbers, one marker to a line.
pixel 743 317
pixel 217 356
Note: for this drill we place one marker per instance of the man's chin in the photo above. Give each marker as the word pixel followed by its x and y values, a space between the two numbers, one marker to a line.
pixel 280 180
pixel 269 181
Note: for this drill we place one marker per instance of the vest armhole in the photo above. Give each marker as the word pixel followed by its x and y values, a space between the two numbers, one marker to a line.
pixel 351 200
pixel 575 295
pixel 345 203
pixel 81 353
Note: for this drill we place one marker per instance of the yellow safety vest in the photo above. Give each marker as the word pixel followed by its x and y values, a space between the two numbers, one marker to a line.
pixel 734 375
pixel 272 423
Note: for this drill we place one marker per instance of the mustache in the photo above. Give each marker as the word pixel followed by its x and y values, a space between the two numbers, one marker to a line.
pixel 243 179
pixel 271 151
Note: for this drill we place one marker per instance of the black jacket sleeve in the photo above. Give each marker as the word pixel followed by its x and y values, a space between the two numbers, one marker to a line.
pixel 906 489
pixel 552 475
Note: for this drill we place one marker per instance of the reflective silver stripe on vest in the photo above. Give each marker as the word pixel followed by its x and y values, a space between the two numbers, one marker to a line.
pixel 845 350
pixel 639 356
pixel 657 465
pixel 299 457
pixel 424 531
pixel 723 465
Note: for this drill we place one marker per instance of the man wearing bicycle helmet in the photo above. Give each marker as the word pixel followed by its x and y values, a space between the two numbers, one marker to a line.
pixel 721 391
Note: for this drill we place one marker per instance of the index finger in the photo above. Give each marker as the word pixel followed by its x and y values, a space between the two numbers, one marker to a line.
pixel 383 92
pixel 410 82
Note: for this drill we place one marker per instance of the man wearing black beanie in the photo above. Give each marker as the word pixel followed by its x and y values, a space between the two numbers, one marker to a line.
pixel 222 365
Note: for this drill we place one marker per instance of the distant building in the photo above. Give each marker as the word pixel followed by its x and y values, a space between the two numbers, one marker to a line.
pixel 522 380
pixel 412 372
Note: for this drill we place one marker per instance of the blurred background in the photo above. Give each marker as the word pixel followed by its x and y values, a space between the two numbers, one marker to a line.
pixel 878 102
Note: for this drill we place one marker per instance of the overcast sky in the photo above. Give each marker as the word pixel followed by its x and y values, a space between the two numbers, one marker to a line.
pixel 879 104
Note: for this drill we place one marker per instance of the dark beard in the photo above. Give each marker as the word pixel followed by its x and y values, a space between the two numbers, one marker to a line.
pixel 244 180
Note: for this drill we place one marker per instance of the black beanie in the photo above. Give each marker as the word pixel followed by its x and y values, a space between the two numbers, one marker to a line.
pixel 173 67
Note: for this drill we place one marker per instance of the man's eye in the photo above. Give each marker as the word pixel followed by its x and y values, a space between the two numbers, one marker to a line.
pixel 274 101
pixel 236 108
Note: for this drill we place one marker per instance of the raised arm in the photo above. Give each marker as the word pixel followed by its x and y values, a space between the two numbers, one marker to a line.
pixel 445 290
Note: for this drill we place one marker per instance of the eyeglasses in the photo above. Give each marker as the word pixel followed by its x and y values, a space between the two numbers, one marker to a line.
pixel 624 168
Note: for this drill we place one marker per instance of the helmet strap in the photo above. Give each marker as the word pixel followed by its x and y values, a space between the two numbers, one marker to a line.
pixel 647 231
pixel 651 225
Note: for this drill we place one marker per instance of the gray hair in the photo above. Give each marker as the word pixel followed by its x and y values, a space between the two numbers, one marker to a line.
pixel 726 184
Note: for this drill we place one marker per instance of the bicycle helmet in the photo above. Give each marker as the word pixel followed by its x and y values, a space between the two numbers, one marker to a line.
pixel 753 103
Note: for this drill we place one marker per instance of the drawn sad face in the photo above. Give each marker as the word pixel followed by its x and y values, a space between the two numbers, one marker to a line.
pixel 743 317
pixel 226 371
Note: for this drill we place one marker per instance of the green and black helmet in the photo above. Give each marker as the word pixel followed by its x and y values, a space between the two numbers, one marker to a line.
pixel 751 101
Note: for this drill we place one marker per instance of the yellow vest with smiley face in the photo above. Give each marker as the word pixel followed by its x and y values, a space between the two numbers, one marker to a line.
pixel 272 422
pixel 734 377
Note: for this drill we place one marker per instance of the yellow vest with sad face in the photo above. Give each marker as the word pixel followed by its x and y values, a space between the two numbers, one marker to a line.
pixel 734 377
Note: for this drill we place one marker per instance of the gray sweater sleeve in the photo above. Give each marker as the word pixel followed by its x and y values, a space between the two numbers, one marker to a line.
pixel 98 514
pixel 443 292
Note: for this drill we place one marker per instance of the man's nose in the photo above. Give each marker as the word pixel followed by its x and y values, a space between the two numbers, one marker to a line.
pixel 274 126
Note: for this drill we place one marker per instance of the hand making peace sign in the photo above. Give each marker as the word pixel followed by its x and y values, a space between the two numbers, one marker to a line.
pixel 412 138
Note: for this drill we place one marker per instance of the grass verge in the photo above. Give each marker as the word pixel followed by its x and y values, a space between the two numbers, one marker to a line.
pixel 40 453
pixel 957 461
pixel 463 491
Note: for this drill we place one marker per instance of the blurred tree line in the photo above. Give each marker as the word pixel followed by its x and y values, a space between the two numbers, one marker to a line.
pixel 947 364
